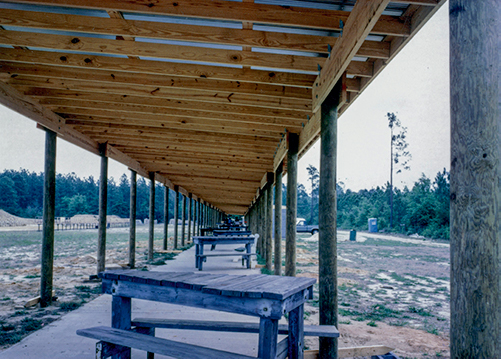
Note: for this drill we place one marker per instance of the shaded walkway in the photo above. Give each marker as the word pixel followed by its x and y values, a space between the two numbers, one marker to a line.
pixel 58 340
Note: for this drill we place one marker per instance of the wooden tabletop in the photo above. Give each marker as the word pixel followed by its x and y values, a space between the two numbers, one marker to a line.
pixel 248 286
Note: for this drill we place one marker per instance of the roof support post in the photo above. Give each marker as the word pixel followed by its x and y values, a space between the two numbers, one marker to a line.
pixel 290 226
pixel 103 207
pixel 327 244
pixel 176 215
pixel 269 221
pixel 183 220
pixel 475 232
pixel 49 204
pixel 151 231
pixel 278 220
pixel 189 217
pixel 132 219
pixel 166 217
pixel 198 216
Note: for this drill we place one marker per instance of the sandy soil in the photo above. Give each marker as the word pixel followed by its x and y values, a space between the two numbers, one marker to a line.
pixel 393 291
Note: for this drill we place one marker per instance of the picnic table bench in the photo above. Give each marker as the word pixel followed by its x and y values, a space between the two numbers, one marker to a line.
pixel 263 296
pixel 200 241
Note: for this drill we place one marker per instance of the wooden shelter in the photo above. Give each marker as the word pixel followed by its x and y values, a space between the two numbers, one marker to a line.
pixel 213 98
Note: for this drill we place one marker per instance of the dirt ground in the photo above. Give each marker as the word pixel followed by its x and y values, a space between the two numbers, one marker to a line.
pixel 393 291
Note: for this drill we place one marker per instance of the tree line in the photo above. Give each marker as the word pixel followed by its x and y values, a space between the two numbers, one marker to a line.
pixel 424 209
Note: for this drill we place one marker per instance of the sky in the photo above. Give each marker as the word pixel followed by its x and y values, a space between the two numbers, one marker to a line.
pixel 414 85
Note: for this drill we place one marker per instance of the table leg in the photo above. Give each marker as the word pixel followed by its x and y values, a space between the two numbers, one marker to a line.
pixel 197 252
pixel 296 333
pixel 121 319
pixel 268 338
pixel 201 259
pixel 248 248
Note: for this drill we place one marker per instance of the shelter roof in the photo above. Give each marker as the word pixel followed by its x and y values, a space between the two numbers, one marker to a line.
pixel 202 93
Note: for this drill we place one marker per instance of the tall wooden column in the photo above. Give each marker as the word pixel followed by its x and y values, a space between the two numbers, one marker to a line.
pixel 278 221
pixel 327 244
pixel 189 217
pixel 103 206
pixel 132 219
pixel 151 231
pixel 166 217
pixel 176 215
pixel 269 222
pixel 475 231
pixel 49 205
pixel 291 214
pixel 183 220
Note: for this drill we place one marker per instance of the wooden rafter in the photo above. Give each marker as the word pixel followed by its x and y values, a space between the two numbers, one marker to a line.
pixel 237 11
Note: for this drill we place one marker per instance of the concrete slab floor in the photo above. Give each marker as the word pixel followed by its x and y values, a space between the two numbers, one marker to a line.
pixel 58 340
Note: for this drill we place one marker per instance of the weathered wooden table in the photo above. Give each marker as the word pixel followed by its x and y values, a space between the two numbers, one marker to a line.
pixel 264 296
pixel 200 241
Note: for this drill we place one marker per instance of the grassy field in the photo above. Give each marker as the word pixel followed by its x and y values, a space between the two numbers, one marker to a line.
pixel 74 261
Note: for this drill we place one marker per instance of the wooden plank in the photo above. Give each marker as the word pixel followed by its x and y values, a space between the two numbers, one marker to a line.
pixel 74 96
pixel 160 51
pixel 161 81
pixel 280 288
pixel 156 67
pixel 181 32
pixel 361 21
pixel 155 345
pixel 222 127
pixel 150 91
pixel 235 289
pixel 107 109
pixel 251 12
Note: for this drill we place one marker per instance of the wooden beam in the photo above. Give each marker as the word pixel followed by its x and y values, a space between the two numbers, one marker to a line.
pixel 238 11
pixel 42 94
pixel 179 148
pixel 103 209
pixel 110 110
pixel 128 29
pixel 156 67
pixel 160 51
pixel 153 91
pixel 49 202
pixel 161 81
pixel 361 21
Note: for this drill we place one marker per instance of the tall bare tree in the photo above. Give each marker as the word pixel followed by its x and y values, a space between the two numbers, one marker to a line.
pixel 399 155
pixel 314 177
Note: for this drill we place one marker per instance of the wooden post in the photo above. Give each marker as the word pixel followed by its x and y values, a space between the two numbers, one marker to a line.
pixel 269 222
pixel 176 215
pixel 290 224
pixel 132 219
pixel 166 217
pixel 103 206
pixel 49 205
pixel 327 245
pixel 151 232
pixel 183 219
pixel 189 218
pixel 278 221
pixel 475 229
pixel 194 214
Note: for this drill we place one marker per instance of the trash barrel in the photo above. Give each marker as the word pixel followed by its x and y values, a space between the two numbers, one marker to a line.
pixel 353 235
pixel 373 225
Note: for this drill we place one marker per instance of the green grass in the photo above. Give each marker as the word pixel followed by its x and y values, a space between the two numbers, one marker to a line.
pixel 386 243
pixel 69 306
pixel 420 311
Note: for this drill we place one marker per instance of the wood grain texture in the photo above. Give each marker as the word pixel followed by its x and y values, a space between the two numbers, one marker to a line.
pixel 168 31
pixel 88 61
pixel 475 179
pixel 362 19
pixel 241 11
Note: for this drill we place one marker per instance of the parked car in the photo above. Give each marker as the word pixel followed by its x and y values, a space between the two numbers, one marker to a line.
pixel 302 227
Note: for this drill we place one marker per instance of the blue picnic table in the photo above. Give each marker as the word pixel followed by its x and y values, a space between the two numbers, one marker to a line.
pixel 200 241
pixel 264 296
